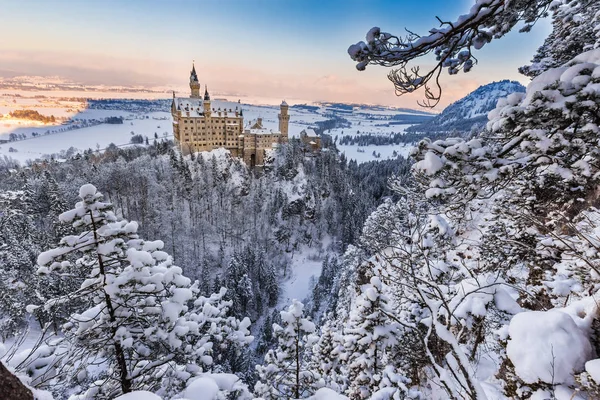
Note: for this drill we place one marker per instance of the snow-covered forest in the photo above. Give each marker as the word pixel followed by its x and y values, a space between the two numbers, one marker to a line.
pixel 261 234
pixel 469 271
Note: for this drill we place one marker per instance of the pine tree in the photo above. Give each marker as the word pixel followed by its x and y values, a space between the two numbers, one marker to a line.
pixel 327 357
pixel 266 336
pixel 12 305
pixel 239 281
pixel 284 374
pixel 575 29
pixel 18 245
pixel 57 205
pixel 271 286
pixel 120 269
pixel 137 325
pixel 368 337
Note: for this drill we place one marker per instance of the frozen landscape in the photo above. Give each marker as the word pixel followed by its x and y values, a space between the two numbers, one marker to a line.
pixel 41 141
pixel 279 224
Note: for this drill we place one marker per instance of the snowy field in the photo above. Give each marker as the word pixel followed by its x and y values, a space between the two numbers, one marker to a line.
pixel 298 285
pixel 92 137
pixel 365 153
pixel 79 128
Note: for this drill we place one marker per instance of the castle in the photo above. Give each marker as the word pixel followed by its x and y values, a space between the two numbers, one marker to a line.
pixel 197 126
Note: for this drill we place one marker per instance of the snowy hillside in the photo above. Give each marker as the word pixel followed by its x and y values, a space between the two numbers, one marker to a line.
pixel 467 271
pixel 82 124
pixel 471 110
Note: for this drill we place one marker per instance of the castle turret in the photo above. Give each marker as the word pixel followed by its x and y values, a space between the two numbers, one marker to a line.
pixel 284 121
pixel 194 83
pixel 175 114
pixel 206 102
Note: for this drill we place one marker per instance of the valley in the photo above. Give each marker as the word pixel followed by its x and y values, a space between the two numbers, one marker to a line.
pixel 81 125
pixel 281 200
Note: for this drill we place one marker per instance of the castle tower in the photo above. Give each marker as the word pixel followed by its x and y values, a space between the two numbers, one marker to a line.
pixel 194 84
pixel 173 105
pixel 284 120
pixel 206 102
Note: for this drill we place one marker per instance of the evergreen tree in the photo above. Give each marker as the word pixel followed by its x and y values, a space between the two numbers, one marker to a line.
pixel 328 355
pixel 137 324
pixel 575 29
pixel 284 374
pixel 368 337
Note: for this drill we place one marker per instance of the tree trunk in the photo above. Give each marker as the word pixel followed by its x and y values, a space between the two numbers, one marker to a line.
pixel 119 353
pixel 11 387
pixel 297 388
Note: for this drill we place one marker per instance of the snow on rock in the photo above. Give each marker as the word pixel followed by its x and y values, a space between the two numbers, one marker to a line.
pixel 202 389
pixel 547 346
pixel 560 392
pixel 474 294
pixel 139 395
pixel 39 394
pixel 215 386
pixel 541 394
pixel 592 367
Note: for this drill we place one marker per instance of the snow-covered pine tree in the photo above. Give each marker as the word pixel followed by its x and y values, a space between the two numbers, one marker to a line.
pixel 284 374
pixel 368 337
pixel 18 246
pixel 215 341
pixel 136 326
pixel 575 29
pixel 15 290
pixel 133 293
pixel 238 281
pixel 382 227
pixel 436 284
pixel 270 285
pixel 530 180
pixel 327 356
pixel 56 206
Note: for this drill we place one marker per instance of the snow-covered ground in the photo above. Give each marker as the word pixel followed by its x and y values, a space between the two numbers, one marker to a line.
pixel 73 129
pixel 93 137
pixel 19 346
pixel 365 153
pixel 298 285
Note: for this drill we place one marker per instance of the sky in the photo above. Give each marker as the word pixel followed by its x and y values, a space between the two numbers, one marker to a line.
pixel 273 49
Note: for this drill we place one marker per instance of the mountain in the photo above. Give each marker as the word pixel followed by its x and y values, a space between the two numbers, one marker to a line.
pixel 471 110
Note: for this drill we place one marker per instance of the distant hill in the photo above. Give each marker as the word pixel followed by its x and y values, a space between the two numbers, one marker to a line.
pixel 469 111
pixel 362 108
